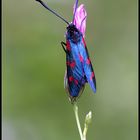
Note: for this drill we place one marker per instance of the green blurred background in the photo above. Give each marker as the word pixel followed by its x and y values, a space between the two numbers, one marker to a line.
pixel 35 105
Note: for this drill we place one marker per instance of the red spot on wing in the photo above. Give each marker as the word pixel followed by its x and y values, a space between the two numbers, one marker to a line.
pixel 71 78
pixel 68 45
pixel 76 81
pixel 88 61
pixel 84 42
pixel 81 57
pixel 72 64
pixel 91 76
pixel 68 63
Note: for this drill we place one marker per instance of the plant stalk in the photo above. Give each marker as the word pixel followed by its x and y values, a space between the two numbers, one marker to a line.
pixel 75 108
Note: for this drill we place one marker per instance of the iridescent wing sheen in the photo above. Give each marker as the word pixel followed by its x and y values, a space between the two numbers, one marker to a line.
pixel 87 65
pixel 75 77
pixel 66 86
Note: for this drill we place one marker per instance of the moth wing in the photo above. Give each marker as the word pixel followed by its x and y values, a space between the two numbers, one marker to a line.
pixel 67 86
pixel 88 69
pixel 75 79
pixel 65 81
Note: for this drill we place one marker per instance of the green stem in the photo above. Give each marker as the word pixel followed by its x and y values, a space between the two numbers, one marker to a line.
pixel 85 132
pixel 75 107
pixel 87 122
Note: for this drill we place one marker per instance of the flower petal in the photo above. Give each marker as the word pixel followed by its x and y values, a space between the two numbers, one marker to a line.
pixel 80 19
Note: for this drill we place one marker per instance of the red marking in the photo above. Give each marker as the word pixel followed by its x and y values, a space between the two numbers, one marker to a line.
pixel 91 76
pixel 88 61
pixel 72 64
pixel 76 81
pixel 68 45
pixel 84 42
pixel 71 78
pixel 68 63
pixel 81 58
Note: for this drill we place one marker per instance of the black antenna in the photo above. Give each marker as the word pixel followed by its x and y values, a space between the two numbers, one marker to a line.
pixel 45 5
pixel 76 5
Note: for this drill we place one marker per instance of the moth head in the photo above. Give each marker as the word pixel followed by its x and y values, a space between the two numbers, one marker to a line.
pixel 73 33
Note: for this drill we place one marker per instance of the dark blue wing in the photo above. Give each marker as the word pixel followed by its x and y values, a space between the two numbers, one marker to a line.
pixel 75 77
pixel 87 65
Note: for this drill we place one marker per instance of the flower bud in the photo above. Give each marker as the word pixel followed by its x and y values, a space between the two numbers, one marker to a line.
pixel 88 118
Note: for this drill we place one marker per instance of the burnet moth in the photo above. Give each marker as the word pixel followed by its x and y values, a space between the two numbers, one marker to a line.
pixel 79 67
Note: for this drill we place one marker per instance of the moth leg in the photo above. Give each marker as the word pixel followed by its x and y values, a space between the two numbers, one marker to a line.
pixel 63 44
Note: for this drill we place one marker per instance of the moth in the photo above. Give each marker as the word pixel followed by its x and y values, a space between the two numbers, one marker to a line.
pixel 79 70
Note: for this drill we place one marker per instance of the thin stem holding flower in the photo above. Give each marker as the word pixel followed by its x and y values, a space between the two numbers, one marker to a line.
pixel 75 107
pixel 87 122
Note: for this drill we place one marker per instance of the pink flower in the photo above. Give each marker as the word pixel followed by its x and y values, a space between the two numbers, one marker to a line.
pixel 80 18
